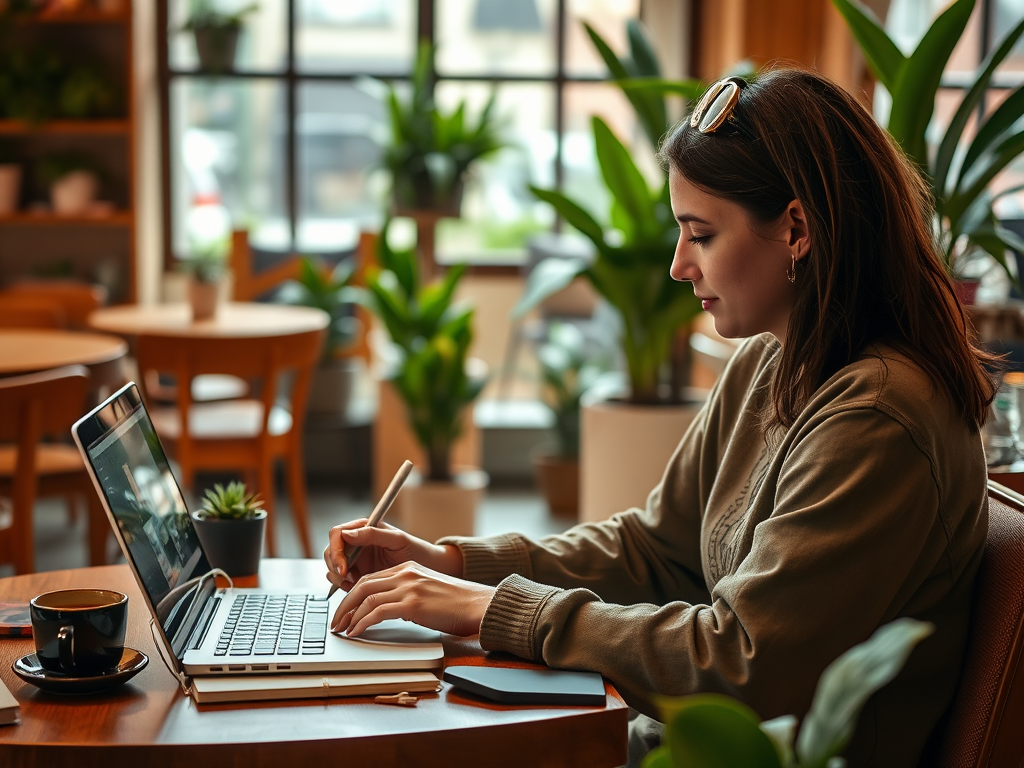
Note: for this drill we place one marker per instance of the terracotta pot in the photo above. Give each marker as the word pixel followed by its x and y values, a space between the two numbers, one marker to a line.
pixel 559 481
pixel 624 449
pixel 234 546
pixel 216 48
pixel 73 193
pixel 204 298
pixel 432 510
pixel 10 188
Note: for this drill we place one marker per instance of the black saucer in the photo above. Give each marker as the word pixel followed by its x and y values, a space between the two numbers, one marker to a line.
pixel 28 669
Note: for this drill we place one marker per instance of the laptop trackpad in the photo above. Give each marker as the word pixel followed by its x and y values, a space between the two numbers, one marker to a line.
pixel 397 631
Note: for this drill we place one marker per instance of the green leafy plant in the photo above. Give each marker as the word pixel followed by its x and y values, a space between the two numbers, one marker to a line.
pixel 207 261
pixel 713 730
pixel 204 14
pixel 330 291
pixel 38 85
pixel 569 370
pixel 431 151
pixel 432 335
pixel 631 266
pixel 56 166
pixel 230 503
pixel 959 170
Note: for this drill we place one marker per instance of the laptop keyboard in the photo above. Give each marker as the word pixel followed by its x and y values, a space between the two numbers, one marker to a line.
pixel 265 625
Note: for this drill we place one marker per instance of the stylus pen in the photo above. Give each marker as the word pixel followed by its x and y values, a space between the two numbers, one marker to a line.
pixel 378 514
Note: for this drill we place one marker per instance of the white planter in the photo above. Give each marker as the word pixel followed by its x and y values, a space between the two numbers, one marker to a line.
pixel 10 188
pixel 624 450
pixel 73 193
pixel 432 510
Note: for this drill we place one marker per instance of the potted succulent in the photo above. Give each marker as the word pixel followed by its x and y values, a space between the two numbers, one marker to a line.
pixel 10 181
pixel 961 170
pixel 635 438
pixel 569 370
pixel 332 292
pixel 435 381
pixel 713 729
pixel 73 181
pixel 231 524
pixel 431 150
pixel 216 33
pixel 206 267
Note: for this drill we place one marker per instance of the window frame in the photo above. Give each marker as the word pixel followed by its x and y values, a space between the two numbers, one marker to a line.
pixel 292 80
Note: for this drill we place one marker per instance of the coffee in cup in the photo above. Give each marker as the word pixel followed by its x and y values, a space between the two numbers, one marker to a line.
pixel 79 632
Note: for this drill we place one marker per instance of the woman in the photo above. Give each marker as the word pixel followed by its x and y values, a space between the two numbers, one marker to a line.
pixel 833 482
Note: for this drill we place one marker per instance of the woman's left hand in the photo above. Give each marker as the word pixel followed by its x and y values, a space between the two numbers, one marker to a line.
pixel 413 592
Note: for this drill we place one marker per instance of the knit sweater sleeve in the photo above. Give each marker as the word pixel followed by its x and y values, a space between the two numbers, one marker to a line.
pixel 638 555
pixel 837 557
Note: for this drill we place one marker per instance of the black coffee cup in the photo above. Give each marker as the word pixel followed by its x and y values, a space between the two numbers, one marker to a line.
pixel 79 632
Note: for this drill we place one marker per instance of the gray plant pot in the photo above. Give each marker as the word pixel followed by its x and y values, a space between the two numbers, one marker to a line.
pixel 331 388
pixel 234 546
pixel 216 48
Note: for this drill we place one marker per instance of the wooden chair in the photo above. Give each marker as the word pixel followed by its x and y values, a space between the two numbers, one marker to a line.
pixel 30 312
pixel 33 407
pixel 983 726
pixel 247 434
pixel 75 300
pixel 247 284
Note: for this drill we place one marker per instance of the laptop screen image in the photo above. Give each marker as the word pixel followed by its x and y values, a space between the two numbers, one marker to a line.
pixel 147 505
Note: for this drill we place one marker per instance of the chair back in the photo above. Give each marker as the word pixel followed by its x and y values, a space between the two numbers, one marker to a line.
pixel 21 312
pixel 248 285
pixel 75 300
pixel 258 359
pixel 33 407
pixel 984 724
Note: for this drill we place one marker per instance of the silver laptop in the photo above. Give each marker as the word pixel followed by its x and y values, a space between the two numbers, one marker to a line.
pixel 211 631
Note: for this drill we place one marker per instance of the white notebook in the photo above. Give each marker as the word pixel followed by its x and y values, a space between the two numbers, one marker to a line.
pixel 215 690
pixel 10 711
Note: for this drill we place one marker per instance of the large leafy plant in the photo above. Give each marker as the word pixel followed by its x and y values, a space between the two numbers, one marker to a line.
pixel 960 169
pixel 631 266
pixel 432 335
pixel 431 150
pixel 327 290
pixel 714 731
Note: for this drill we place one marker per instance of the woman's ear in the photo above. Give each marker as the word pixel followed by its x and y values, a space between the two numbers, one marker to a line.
pixel 798 235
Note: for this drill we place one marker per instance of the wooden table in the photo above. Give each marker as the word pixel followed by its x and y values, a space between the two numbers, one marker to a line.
pixel 29 351
pixel 233 320
pixel 149 722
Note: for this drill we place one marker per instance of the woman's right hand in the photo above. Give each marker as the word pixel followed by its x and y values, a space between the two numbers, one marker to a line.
pixel 383 547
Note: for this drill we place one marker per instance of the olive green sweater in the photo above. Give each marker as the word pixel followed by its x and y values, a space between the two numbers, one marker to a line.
pixel 753 566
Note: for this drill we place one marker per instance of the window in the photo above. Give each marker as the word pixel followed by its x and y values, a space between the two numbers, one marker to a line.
pixel 287 143
pixel 907 21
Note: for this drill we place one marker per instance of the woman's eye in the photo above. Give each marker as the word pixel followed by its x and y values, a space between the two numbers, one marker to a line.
pixel 700 239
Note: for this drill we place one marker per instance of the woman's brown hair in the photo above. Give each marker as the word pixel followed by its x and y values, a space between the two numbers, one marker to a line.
pixel 873 272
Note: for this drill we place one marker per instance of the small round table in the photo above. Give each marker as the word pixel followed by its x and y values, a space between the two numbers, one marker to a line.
pixel 33 350
pixel 233 320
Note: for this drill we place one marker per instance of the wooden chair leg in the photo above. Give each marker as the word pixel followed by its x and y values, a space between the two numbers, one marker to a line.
pixel 266 488
pixel 99 528
pixel 299 499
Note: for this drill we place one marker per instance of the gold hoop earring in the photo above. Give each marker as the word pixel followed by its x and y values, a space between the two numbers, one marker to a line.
pixel 791 272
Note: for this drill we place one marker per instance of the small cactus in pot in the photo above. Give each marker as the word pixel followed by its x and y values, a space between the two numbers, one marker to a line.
pixel 231 524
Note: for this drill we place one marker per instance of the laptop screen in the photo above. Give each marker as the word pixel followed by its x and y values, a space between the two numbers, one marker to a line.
pixel 146 503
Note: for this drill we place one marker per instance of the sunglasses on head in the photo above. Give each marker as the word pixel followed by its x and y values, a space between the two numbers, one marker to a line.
pixel 717 105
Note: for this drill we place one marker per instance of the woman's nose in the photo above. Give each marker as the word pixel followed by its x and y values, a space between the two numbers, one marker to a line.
pixel 683 269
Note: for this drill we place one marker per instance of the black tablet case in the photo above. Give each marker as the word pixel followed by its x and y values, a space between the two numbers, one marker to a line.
pixel 529 686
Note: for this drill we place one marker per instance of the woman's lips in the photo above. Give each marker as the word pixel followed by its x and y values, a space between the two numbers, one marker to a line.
pixel 706 303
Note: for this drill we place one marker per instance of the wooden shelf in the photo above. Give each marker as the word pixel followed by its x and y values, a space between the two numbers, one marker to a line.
pixel 116 219
pixel 66 128
pixel 85 15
